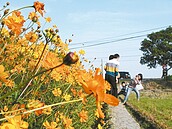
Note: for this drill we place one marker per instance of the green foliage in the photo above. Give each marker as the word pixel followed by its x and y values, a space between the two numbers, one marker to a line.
pixel 157 49
pixel 156 107
pixel 169 78
pixel 105 123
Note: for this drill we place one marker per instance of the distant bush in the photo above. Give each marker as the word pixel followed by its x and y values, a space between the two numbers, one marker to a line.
pixel 169 77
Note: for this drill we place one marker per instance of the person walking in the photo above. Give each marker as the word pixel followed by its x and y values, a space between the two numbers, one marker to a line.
pixel 112 73
pixel 132 87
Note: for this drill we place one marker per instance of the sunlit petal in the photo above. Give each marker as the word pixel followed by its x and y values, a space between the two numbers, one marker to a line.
pixel 111 100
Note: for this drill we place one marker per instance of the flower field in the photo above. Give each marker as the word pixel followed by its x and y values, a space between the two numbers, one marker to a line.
pixel 43 85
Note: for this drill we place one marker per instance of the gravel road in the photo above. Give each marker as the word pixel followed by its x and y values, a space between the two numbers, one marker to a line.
pixel 121 118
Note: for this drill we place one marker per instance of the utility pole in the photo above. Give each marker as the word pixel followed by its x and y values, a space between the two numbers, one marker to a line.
pixel 102 66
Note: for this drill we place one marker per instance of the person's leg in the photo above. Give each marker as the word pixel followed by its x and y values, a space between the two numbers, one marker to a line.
pixel 113 86
pixel 110 79
pixel 137 93
pixel 128 93
pixel 107 78
pixel 124 93
pixel 115 90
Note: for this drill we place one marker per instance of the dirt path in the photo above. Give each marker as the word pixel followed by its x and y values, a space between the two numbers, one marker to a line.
pixel 121 118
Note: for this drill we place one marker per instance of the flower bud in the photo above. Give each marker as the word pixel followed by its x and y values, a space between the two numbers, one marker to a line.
pixel 70 40
pixel 38 27
pixel 58 36
pixel 6 11
pixel 7 3
pixel 38 31
pixel 51 30
pixel 70 58
pixel 35 19
pixel 57 30
pixel 24 29
pixel 11 33
pixel 2 23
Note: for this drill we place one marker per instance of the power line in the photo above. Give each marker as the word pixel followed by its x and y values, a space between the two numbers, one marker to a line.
pixel 91 62
pixel 120 56
pixel 120 35
pixel 126 49
pixel 101 43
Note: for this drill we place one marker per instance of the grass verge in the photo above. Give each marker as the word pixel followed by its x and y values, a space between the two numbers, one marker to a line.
pixel 153 110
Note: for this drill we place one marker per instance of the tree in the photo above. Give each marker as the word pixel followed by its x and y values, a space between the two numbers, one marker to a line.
pixel 157 50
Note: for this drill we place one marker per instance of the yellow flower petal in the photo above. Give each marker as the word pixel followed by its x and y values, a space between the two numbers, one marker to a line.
pixel 7 126
pixel 1 68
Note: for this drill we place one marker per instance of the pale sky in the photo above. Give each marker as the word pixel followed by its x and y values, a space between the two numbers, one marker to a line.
pixel 108 22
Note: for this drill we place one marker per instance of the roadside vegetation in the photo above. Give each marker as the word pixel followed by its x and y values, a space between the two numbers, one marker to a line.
pixel 43 85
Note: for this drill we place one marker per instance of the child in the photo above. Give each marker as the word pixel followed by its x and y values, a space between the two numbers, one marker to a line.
pixel 123 89
pixel 132 87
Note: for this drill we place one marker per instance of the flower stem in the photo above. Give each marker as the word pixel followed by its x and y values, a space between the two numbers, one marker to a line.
pixel 30 80
pixel 47 106
pixel 41 55
pixel 4 16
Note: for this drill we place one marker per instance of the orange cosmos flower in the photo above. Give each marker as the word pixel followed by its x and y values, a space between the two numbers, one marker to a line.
pixel 33 16
pixel 51 125
pixel 83 116
pixel 57 92
pixel 83 96
pixel 99 126
pixel 82 52
pixel 97 86
pixel 47 111
pixel 5 32
pixel 9 83
pixel 38 23
pixel 100 112
pixel 48 19
pixel 39 7
pixel 38 112
pixel 67 123
pixel 22 106
pixel 15 22
pixel 5 108
pixel 3 75
pixel 35 104
pixel 67 97
pixel 54 26
pixel 51 60
pixel 15 123
pixel 31 36
pixel 73 91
